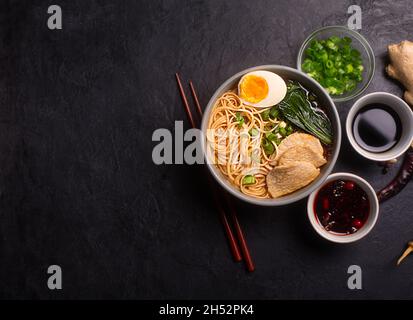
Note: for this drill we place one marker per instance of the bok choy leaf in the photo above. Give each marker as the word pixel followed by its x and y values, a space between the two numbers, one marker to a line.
pixel 297 108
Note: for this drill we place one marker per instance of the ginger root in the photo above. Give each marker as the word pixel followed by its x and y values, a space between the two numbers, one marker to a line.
pixel 401 66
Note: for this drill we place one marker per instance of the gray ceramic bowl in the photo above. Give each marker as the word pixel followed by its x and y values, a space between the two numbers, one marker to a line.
pixel 326 102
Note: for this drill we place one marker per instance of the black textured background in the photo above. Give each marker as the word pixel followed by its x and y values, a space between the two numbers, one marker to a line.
pixel 77 184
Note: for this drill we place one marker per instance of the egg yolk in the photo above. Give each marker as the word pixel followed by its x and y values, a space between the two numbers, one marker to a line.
pixel 253 88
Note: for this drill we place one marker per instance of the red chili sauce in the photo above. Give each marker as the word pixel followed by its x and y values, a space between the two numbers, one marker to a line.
pixel 342 207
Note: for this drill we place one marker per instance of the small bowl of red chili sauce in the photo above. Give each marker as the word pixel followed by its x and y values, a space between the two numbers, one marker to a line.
pixel 344 209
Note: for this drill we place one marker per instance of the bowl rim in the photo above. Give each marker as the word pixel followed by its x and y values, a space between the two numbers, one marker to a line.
pixel 373 214
pixel 277 201
pixel 363 41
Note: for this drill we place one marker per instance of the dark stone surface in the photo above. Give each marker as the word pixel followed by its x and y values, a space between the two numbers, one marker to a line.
pixel 77 184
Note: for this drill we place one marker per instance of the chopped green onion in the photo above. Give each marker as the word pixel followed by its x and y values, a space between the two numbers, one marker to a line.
pixel 282 132
pixel 349 68
pixel 274 112
pixel 355 53
pixel 254 132
pixel 335 39
pixel 272 137
pixel 334 63
pixel 268 147
pixel 240 119
pixel 331 45
pixel 265 115
pixel 249 179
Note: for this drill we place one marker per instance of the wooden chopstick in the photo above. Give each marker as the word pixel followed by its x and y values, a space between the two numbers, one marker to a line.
pixel 195 96
pixel 231 239
pixel 240 235
pixel 185 100
pixel 241 239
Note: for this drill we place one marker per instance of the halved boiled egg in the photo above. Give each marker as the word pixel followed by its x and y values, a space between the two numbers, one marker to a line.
pixel 261 89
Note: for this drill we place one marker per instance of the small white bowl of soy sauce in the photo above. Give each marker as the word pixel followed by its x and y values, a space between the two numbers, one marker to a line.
pixel 379 126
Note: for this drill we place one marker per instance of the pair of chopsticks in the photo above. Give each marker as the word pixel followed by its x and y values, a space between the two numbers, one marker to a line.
pixel 237 243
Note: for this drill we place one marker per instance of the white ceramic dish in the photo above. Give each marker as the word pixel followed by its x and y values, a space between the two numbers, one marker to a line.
pixel 405 114
pixel 371 220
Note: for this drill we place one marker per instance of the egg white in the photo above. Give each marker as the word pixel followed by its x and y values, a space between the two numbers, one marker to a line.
pixel 277 89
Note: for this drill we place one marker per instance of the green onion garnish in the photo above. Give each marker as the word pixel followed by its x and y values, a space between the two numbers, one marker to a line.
pixel 240 119
pixel 249 179
pixel 268 146
pixel 334 64
pixel 254 132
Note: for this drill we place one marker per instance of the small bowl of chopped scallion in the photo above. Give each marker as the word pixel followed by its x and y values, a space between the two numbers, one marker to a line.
pixel 340 59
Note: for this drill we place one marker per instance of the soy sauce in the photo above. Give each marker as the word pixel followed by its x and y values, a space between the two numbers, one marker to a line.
pixel 377 128
pixel 342 207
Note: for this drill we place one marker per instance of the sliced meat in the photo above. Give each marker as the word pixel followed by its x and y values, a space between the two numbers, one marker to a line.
pixel 301 153
pixel 300 139
pixel 288 178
